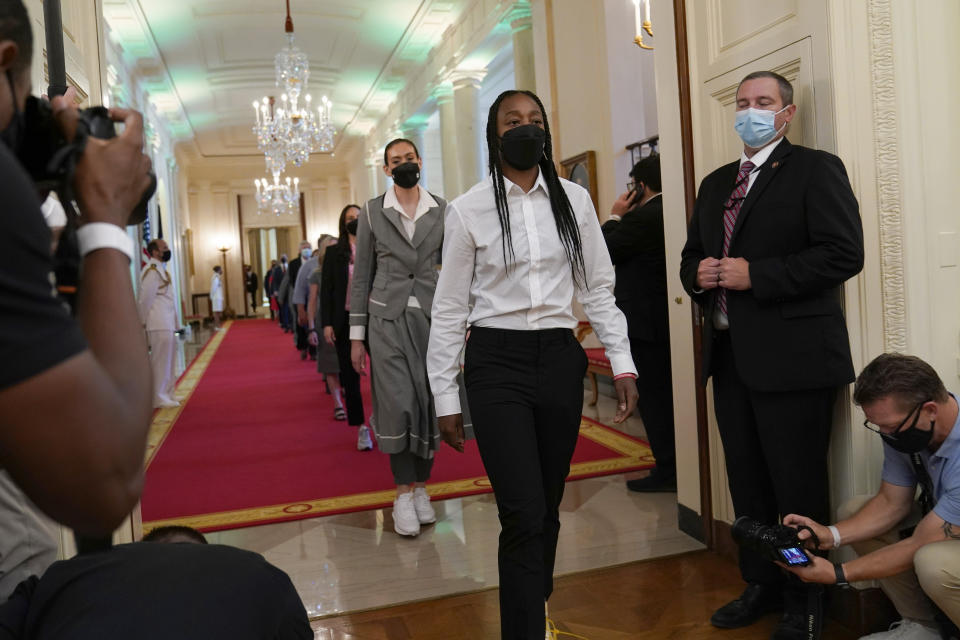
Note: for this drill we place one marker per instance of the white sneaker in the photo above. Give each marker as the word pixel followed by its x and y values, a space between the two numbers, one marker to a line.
pixel 421 502
pixel 905 629
pixel 405 521
pixel 364 443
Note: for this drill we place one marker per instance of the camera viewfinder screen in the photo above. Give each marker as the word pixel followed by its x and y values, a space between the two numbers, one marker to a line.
pixel 794 556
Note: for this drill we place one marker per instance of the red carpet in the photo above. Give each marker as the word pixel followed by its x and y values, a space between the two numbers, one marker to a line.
pixel 256 442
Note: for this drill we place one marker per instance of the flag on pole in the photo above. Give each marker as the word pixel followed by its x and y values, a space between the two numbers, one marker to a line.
pixel 145 254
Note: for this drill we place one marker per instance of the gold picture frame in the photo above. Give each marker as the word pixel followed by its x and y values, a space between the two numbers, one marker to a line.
pixel 582 169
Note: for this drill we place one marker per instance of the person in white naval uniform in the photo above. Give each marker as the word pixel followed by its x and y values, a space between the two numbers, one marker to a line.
pixel 158 313
pixel 216 296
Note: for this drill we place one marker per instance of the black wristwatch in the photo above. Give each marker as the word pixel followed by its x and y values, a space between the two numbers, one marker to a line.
pixel 841 577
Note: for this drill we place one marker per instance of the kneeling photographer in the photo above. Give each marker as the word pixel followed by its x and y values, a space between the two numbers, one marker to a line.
pixel 74 393
pixel 911 545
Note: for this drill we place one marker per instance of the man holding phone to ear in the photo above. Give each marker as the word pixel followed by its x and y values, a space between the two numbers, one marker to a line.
pixel 634 237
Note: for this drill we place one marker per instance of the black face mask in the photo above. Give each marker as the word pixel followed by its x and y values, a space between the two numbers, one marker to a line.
pixel 352 227
pixel 406 175
pixel 522 147
pixel 910 440
pixel 165 257
pixel 12 135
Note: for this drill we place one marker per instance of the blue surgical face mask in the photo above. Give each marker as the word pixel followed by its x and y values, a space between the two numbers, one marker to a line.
pixel 756 126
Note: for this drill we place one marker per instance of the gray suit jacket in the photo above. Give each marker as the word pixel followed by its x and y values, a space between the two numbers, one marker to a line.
pixel 389 267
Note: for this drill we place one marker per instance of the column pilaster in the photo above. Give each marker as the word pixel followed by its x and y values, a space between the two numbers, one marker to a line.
pixel 466 87
pixel 448 141
pixel 521 25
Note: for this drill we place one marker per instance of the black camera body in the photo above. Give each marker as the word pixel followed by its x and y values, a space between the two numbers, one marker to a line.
pixel 776 543
pixel 50 159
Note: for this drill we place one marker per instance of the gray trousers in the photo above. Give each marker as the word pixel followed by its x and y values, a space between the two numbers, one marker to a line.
pixel 28 538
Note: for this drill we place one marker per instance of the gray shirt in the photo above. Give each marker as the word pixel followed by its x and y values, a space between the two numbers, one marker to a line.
pixel 302 287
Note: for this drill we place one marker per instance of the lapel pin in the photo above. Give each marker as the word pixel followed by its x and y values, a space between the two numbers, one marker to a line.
pixel 775 165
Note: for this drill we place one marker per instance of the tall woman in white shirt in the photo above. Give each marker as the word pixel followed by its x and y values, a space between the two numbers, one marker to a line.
pixel 528 243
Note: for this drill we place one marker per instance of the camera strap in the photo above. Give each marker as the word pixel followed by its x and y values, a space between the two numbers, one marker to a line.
pixel 814 611
pixel 925 482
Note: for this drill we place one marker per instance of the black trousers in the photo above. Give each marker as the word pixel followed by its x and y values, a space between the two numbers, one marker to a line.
pixel 655 404
pixel 349 378
pixel 775 445
pixel 525 391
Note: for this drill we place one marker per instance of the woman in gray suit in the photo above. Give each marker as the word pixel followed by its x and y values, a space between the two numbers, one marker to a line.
pixel 399 236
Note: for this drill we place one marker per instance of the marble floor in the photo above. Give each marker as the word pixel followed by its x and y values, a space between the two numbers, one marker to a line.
pixel 355 562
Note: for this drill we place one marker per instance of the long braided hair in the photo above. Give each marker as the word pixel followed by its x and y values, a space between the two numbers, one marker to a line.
pixel 562 210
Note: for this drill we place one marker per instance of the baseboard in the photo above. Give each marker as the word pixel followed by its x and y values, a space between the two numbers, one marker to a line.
pixel 690 522
pixel 861 611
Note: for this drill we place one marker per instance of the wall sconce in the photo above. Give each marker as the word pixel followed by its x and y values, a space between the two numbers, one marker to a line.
pixel 643 24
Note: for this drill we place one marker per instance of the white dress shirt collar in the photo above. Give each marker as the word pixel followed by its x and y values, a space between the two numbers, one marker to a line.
pixel 424 204
pixel 540 183
pixel 761 156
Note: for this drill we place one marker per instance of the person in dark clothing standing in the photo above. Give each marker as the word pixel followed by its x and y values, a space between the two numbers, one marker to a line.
pixel 293 270
pixel 773 236
pixel 336 277
pixel 634 237
pixel 252 283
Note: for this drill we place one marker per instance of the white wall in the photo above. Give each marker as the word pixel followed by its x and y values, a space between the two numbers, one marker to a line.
pixel 633 98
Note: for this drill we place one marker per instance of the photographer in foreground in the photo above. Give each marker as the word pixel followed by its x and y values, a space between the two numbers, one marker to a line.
pixel 74 394
pixel 911 546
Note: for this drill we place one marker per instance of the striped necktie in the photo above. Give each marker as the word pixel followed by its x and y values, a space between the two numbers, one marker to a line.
pixel 731 209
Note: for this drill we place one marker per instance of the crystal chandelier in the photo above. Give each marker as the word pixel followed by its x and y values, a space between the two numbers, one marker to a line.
pixel 278 197
pixel 290 132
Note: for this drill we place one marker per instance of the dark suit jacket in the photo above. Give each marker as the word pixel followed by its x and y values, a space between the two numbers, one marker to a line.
pixel 293 267
pixel 333 287
pixel 637 252
pixel 799 228
pixel 252 282
pixel 276 276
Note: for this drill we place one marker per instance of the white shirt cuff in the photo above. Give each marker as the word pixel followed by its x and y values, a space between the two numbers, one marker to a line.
pixel 358 332
pixel 622 363
pixel 614 216
pixel 448 404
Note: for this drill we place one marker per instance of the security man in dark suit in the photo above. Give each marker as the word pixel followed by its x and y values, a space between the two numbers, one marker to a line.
pixel 634 236
pixel 773 237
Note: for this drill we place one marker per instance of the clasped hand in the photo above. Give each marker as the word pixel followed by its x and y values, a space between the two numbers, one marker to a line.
pixel 729 273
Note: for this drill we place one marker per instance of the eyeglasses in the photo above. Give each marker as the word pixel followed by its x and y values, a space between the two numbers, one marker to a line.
pixel 631 186
pixel 915 410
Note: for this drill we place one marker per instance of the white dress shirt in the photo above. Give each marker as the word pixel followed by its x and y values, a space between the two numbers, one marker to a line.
pixel 720 320
pixel 537 290
pixel 424 204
